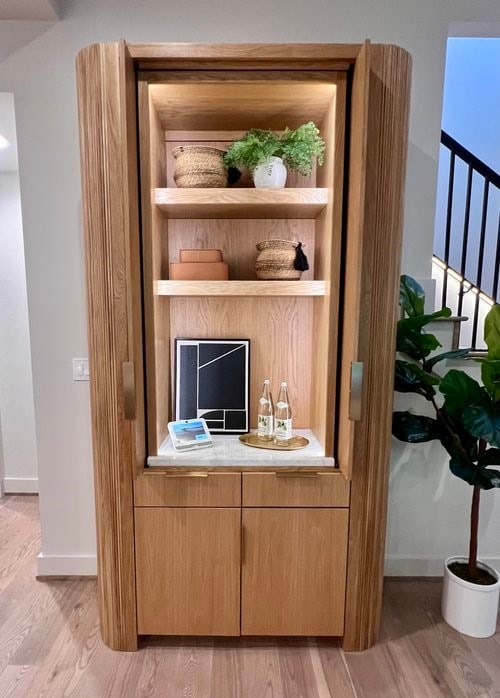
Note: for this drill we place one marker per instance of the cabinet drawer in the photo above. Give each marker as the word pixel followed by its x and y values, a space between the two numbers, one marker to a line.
pixel 295 489
pixel 188 489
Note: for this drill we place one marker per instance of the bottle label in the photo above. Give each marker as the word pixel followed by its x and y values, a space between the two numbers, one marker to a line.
pixel 263 401
pixel 283 429
pixel 264 425
pixel 281 405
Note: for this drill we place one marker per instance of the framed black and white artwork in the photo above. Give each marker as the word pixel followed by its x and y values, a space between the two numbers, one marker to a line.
pixel 212 378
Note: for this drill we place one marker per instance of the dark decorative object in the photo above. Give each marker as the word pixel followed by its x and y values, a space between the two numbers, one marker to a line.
pixel 212 381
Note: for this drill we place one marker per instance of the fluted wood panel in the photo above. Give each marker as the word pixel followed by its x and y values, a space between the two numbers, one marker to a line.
pixel 379 259
pixel 108 191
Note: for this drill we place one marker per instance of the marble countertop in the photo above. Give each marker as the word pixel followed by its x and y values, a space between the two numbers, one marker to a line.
pixel 229 451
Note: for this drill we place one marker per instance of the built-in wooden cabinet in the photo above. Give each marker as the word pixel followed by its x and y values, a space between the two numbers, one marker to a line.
pixel 242 545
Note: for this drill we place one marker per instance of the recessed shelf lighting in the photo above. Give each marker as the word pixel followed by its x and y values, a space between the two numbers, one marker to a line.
pixel 4 143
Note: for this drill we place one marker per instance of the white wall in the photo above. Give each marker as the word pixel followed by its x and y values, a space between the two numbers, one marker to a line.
pixel 43 78
pixel 17 419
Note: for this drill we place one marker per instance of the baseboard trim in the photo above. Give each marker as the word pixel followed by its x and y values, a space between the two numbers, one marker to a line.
pixel 424 567
pixel 20 485
pixel 66 566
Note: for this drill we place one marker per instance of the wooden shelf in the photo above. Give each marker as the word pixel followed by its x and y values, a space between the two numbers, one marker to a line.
pixel 240 288
pixel 241 203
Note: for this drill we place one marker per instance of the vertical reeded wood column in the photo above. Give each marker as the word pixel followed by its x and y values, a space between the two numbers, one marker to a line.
pixel 107 128
pixel 381 90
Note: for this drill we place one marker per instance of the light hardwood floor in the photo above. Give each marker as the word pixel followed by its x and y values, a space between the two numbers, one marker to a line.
pixel 50 645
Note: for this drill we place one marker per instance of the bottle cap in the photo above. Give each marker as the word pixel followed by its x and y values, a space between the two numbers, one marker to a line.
pixel 266 380
pixel 283 383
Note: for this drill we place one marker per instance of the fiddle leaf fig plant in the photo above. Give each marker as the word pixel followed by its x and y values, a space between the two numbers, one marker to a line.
pixel 467 413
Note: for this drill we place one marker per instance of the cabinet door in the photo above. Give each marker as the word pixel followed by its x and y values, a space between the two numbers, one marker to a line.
pixel 107 117
pixel 376 178
pixel 294 571
pixel 188 571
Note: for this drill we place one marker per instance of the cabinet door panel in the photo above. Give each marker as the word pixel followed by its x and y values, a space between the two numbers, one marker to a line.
pixel 294 570
pixel 188 571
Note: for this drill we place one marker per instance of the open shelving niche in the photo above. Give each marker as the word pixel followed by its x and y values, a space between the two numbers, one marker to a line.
pixel 292 325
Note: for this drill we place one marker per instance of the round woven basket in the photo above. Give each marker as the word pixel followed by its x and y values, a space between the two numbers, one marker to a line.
pixel 275 260
pixel 199 166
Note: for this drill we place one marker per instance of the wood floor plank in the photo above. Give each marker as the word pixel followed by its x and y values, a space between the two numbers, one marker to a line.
pixel 61 668
pixel 296 669
pixel 260 668
pixel 333 665
pixel 226 676
pixel 50 646
pixel 15 679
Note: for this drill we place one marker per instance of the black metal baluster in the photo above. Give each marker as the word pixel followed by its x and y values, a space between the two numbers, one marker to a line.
pixel 480 259
pixel 465 238
pixel 448 226
pixel 497 263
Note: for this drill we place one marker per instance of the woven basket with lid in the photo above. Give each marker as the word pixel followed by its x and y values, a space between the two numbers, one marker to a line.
pixel 276 259
pixel 199 166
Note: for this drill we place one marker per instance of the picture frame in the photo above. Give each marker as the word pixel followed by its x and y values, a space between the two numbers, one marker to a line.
pixel 212 381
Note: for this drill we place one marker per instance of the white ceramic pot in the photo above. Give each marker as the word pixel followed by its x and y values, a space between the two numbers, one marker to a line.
pixel 270 175
pixel 472 609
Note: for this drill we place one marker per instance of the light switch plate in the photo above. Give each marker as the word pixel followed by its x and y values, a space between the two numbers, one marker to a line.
pixel 81 370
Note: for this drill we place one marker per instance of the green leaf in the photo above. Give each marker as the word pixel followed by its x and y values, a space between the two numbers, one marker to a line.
pixel 409 378
pixel 492 332
pixel 460 391
pixel 490 375
pixel 482 477
pixel 483 421
pixel 412 341
pixel 489 457
pixel 414 428
pixel 411 296
pixel 488 479
pixel 456 354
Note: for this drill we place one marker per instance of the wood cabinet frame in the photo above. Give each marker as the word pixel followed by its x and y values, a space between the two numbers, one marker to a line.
pixel 378 78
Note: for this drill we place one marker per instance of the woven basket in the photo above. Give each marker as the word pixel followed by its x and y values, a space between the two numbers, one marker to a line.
pixel 199 166
pixel 275 260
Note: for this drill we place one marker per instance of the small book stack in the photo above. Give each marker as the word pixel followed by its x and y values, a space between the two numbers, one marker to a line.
pixel 199 265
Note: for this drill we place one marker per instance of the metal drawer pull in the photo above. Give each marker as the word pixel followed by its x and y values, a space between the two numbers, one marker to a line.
pixel 356 392
pixel 191 474
pixel 128 389
pixel 295 473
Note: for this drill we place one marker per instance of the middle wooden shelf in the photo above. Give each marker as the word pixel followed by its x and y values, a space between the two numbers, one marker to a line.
pixel 240 288
pixel 304 202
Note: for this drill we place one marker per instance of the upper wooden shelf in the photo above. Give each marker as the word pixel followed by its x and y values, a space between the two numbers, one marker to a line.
pixel 241 203
pixel 241 288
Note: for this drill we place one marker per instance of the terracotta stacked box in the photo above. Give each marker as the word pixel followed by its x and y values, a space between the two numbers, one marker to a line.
pixel 199 265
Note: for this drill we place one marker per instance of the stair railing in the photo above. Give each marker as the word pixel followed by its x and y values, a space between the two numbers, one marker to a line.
pixel 471 278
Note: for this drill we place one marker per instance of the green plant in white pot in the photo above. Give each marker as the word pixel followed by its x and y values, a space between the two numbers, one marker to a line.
pixel 268 154
pixel 467 423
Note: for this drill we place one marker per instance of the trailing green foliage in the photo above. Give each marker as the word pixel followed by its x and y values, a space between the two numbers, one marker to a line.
pixel 298 148
pixel 468 417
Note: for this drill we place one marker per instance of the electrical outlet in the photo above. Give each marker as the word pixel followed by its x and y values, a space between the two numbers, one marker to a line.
pixel 81 370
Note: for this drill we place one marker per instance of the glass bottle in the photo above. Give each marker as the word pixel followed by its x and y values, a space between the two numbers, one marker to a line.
pixel 283 418
pixel 265 413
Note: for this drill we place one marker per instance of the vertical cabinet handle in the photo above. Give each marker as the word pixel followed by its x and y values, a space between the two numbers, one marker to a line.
pixel 128 389
pixel 356 391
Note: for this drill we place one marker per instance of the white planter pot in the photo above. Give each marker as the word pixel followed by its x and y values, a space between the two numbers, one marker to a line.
pixel 270 175
pixel 472 609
